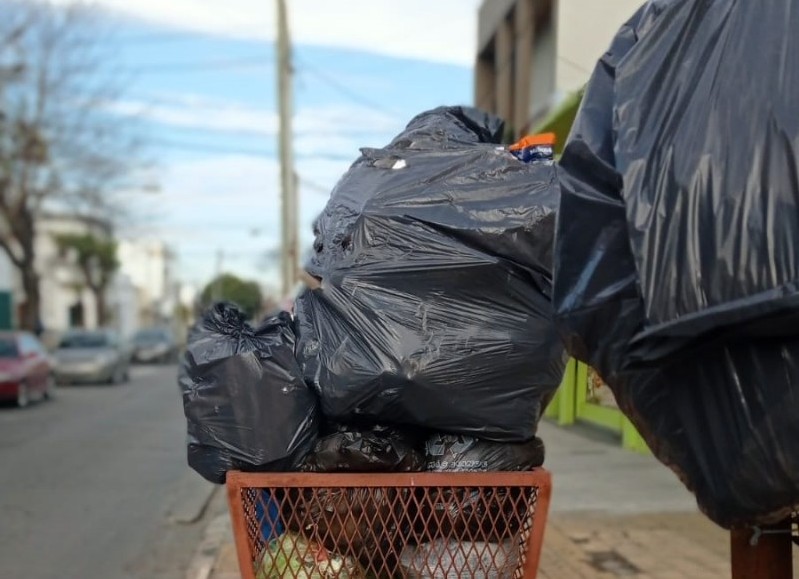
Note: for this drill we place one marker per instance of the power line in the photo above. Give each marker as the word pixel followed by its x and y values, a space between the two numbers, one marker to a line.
pixel 255 61
pixel 235 63
pixel 159 37
pixel 208 148
pixel 346 91
pixel 147 102
pixel 575 65
pixel 315 186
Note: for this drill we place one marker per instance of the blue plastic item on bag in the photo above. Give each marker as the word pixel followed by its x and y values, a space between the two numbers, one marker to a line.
pixel 267 512
pixel 535 148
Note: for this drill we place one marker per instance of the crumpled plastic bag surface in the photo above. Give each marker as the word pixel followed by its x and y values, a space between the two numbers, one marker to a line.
pixel 676 269
pixel 246 404
pixel 374 449
pixel 458 453
pixel 363 523
pixel 464 513
pixel 435 257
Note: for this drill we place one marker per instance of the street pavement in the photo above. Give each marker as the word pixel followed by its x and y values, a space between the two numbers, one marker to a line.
pixel 92 483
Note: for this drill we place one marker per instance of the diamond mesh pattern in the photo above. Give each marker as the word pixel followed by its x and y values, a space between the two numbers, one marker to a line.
pixel 387 531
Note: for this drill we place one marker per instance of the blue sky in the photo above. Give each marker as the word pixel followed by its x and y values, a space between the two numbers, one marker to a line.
pixel 204 86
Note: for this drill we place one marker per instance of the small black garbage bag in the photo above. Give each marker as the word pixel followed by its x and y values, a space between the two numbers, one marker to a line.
pixel 244 398
pixel 458 453
pixel 472 512
pixel 435 257
pixel 676 270
pixel 211 462
pixel 374 449
pixel 367 524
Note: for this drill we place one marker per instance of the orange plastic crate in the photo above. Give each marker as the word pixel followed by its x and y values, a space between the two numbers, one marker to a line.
pixel 364 526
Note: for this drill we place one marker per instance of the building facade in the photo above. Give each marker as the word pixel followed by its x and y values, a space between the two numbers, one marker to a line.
pixel 150 266
pixel 533 58
pixel 66 302
pixel 142 292
pixel 533 54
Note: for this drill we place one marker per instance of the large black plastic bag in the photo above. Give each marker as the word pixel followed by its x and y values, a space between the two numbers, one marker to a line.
pixel 435 259
pixel 245 401
pixel 725 421
pixel 670 267
pixel 707 136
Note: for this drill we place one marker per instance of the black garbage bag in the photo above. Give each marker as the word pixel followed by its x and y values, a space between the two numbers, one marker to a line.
pixel 368 524
pixel 211 462
pixel 725 421
pixel 374 449
pixel 458 453
pixel 435 256
pixel 676 269
pixel 466 513
pixel 245 401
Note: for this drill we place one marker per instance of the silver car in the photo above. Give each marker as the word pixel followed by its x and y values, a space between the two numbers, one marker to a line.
pixel 154 345
pixel 92 356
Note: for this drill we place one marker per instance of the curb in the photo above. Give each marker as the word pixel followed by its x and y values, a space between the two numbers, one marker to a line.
pixel 193 497
pixel 204 559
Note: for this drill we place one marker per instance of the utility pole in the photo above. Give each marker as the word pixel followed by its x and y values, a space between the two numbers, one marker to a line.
pixel 216 292
pixel 287 177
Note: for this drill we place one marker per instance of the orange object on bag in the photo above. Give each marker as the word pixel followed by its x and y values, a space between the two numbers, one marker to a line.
pixel 533 141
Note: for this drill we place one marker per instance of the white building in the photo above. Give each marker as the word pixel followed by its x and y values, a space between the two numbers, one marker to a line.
pixel 584 31
pixel 149 264
pixel 141 293
pixel 533 54
pixel 123 304
pixel 66 301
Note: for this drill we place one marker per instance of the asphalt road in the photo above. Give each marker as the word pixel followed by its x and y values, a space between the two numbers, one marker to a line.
pixel 90 481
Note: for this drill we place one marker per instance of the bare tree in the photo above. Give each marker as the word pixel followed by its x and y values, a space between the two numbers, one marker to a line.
pixel 97 261
pixel 62 148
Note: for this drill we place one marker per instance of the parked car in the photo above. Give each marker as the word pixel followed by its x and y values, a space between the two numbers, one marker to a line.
pixel 155 345
pixel 92 356
pixel 25 369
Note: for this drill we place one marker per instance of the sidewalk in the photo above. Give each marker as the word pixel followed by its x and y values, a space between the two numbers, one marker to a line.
pixel 613 514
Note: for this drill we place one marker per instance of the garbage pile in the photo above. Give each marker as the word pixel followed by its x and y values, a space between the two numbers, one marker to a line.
pixel 676 265
pixel 428 345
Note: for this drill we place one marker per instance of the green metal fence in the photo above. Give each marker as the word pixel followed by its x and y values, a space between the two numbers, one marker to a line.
pixel 575 402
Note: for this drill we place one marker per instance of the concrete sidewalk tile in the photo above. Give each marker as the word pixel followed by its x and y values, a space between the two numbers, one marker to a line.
pixel 227 559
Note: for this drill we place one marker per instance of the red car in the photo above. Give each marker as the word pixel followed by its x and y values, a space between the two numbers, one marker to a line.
pixel 25 369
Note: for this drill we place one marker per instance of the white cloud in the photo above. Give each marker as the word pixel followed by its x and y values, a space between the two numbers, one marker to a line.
pixel 232 202
pixel 229 117
pixel 194 112
pixel 441 31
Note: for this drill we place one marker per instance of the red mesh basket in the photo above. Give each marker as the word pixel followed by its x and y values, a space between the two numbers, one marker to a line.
pixel 385 526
